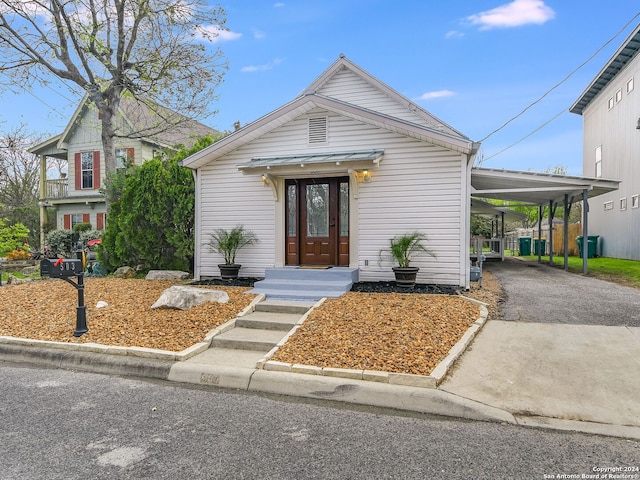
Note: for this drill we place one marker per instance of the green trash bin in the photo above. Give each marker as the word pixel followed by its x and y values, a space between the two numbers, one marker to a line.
pixel 525 246
pixel 592 245
pixel 539 246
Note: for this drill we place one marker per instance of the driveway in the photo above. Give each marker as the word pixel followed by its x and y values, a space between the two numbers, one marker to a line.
pixel 567 347
pixel 540 293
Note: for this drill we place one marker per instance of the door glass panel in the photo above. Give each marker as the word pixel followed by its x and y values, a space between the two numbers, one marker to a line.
pixel 292 206
pixel 318 210
pixel 344 209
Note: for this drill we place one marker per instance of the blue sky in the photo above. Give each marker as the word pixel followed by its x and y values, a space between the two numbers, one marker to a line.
pixel 474 65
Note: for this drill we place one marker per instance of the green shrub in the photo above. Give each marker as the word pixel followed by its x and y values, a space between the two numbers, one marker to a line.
pixel 12 237
pixel 81 227
pixel 60 242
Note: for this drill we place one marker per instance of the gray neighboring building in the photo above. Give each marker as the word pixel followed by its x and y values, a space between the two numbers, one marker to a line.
pixel 610 108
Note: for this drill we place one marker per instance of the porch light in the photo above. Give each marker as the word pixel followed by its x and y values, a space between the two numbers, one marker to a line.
pixel 366 176
pixel 265 180
pixel 638 124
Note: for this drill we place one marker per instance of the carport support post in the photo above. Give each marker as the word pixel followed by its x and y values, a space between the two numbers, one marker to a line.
pixel 585 230
pixel 540 207
pixel 566 231
pixel 552 212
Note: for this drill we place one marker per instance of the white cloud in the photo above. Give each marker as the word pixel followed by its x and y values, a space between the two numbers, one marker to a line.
pixel 220 35
pixel 514 14
pixel 258 35
pixel 436 94
pixel 263 67
pixel 453 34
pixel 278 5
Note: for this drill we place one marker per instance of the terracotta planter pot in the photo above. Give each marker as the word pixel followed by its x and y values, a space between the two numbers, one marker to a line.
pixel 406 276
pixel 229 272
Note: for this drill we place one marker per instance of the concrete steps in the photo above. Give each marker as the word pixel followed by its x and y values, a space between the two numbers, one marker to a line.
pixel 306 284
pixel 254 334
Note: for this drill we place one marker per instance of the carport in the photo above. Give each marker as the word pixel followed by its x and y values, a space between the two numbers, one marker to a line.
pixel 499 217
pixel 542 189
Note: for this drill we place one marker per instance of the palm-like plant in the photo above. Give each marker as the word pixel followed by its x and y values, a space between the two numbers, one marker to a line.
pixel 228 242
pixel 403 247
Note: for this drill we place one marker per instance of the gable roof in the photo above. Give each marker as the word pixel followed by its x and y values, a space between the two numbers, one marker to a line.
pixel 343 63
pixel 141 118
pixel 616 63
pixel 310 99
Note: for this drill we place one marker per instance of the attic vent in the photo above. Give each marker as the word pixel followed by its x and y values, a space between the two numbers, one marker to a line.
pixel 318 130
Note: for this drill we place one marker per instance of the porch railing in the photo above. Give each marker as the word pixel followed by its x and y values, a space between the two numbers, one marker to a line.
pixel 58 188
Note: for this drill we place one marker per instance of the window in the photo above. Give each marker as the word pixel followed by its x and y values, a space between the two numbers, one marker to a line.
pixel 610 103
pixel 635 201
pixel 618 96
pixel 630 85
pixel 623 203
pixel 71 219
pixel 86 167
pixel 75 219
pixel 608 205
pixel 599 161
pixel 124 157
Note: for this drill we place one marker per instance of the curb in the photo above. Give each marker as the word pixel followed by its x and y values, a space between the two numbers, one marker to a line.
pixel 93 362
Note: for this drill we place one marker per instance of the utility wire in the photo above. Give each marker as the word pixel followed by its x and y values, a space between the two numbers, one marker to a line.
pixel 559 83
pixel 528 135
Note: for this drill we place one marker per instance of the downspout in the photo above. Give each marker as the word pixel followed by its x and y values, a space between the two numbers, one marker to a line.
pixel 466 220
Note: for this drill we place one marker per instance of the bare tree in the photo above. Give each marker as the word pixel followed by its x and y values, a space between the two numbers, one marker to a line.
pixel 19 169
pixel 152 50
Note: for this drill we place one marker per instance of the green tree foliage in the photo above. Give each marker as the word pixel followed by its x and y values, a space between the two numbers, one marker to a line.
pixel 12 237
pixel 152 221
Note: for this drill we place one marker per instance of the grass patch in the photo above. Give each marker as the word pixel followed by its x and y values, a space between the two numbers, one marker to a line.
pixel 626 272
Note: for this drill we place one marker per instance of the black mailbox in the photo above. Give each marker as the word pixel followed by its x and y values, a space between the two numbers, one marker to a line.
pixel 60 267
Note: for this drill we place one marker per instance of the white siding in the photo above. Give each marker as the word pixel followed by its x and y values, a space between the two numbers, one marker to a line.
pixel 345 85
pixel 416 187
pixel 615 130
pixel 229 198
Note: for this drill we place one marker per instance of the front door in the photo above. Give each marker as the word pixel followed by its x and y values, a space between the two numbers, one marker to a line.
pixel 318 221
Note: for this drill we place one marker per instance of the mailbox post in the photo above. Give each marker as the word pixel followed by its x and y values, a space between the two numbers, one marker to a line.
pixel 65 268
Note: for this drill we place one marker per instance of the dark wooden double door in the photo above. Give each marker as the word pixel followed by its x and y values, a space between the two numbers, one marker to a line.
pixel 317 221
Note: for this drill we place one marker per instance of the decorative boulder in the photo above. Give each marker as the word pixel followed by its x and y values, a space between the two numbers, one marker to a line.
pixel 13 280
pixel 167 275
pixel 125 272
pixel 29 271
pixel 183 298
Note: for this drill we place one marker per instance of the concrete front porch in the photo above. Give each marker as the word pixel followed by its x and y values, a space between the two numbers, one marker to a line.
pixel 306 283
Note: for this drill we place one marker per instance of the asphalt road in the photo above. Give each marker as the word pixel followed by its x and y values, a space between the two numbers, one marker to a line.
pixel 544 294
pixel 58 424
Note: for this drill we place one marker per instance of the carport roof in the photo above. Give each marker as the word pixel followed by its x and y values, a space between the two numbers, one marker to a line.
pixel 485 209
pixel 535 188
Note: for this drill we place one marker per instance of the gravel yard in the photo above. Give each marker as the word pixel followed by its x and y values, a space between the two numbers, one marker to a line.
pixel 395 332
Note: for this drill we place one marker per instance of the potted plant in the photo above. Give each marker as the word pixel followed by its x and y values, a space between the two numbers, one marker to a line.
pixel 227 243
pixel 402 248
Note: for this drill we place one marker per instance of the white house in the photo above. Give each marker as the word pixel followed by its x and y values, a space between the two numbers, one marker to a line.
pixel 141 134
pixel 610 108
pixel 330 177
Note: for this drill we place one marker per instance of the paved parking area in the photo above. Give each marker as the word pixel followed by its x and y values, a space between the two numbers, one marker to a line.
pixel 540 293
